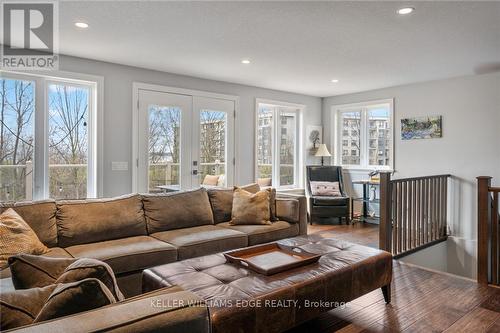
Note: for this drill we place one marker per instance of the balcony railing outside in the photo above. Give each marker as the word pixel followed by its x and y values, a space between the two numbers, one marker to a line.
pixel 286 173
pixel 66 181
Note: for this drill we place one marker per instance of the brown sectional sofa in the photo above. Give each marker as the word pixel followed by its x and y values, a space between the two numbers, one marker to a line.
pixel 135 232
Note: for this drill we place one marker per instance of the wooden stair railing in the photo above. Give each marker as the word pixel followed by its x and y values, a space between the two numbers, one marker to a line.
pixel 488 228
pixel 413 213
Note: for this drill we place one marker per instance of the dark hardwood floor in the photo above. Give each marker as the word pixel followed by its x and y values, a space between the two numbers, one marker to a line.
pixel 360 233
pixel 422 300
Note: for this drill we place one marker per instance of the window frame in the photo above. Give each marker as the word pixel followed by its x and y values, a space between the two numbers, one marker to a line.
pixel 337 129
pixel 42 80
pixel 276 139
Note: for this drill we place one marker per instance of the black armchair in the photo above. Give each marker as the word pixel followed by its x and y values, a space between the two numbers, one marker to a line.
pixel 326 206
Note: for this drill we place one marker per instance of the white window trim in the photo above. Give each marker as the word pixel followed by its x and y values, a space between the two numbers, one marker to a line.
pixel 95 157
pixel 299 151
pixel 336 140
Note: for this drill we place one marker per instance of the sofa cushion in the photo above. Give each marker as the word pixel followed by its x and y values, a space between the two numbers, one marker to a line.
pixel 40 216
pixel 30 271
pixel 127 254
pixel 197 241
pixel 177 210
pixel 330 201
pixel 90 221
pixel 54 252
pixel 70 298
pixel 20 307
pixel 258 234
pixel 16 236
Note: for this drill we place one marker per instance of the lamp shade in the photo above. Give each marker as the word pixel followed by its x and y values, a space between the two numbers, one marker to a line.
pixel 322 151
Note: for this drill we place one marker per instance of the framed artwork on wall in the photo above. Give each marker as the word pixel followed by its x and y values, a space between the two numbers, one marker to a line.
pixel 429 127
pixel 314 137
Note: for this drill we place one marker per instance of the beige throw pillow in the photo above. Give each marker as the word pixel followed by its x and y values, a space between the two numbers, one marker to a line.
pixel 210 180
pixel 331 189
pixel 16 237
pixel 250 208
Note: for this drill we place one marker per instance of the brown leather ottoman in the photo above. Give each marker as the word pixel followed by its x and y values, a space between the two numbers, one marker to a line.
pixel 241 300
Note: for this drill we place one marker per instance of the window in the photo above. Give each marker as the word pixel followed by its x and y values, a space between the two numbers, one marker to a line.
pixel 277 144
pixel 366 129
pixel 68 140
pixel 16 138
pixel 62 112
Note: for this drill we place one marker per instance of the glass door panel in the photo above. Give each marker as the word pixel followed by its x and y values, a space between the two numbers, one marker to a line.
pixel 163 142
pixel 213 153
pixel 164 145
pixel 212 163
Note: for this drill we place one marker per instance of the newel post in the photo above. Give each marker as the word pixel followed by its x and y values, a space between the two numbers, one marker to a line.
pixel 483 212
pixel 385 228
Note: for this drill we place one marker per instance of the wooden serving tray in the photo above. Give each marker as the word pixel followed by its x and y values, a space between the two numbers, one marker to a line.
pixel 271 258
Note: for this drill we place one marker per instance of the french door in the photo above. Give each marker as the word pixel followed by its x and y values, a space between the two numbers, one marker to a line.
pixel 183 141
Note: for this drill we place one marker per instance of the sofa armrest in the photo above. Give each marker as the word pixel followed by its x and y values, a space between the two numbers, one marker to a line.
pixel 293 208
pixel 165 310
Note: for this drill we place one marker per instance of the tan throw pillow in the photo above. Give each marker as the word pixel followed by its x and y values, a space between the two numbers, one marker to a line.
pixel 30 271
pixel 16 237
pixel 211 180
pixel 221 201
pixel 75 297
pixel 250 208
pixel 330 189
pixel 20 307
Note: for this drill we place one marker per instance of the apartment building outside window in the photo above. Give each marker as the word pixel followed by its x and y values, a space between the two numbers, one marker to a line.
pixel 277 144
pixel 364 135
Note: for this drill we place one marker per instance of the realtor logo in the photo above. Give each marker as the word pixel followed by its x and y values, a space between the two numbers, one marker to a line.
pixel 30 39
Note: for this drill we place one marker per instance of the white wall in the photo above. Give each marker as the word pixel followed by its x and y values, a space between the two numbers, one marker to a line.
pixel 470 145
pixel 117 142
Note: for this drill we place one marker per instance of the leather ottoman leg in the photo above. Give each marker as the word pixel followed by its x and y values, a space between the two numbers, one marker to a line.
pixel 386 290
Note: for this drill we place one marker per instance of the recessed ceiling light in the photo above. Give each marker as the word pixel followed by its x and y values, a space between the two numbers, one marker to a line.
pixel 82 25
pixel 335 80
pixel 405 10
pixel 245 61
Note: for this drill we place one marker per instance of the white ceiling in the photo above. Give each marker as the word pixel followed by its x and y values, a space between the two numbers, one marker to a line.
pixel 294 46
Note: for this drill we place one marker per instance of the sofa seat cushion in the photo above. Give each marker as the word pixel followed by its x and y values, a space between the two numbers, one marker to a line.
pixel 330 201
pixel 258 234
pixel 54 252
pixel 127 254
pixel 202 240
